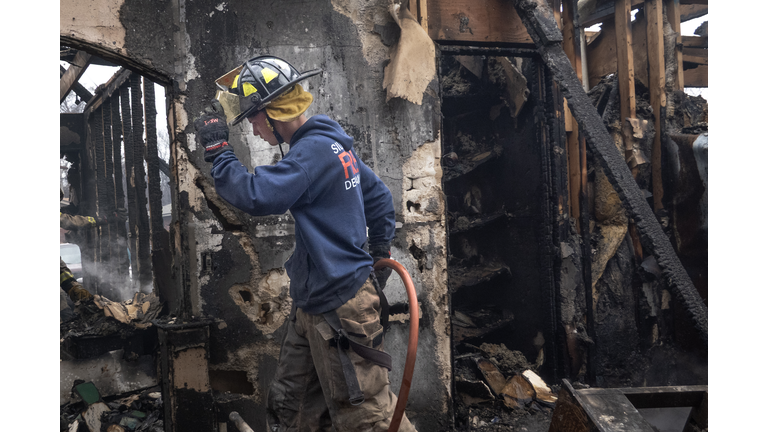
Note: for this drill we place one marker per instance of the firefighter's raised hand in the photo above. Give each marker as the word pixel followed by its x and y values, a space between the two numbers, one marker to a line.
pixel 212 131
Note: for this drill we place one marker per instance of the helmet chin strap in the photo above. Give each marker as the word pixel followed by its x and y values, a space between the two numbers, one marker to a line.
pixel 279 137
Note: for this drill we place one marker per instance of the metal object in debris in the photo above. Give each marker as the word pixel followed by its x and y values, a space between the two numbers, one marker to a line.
pixel 625 409
pixel 242 426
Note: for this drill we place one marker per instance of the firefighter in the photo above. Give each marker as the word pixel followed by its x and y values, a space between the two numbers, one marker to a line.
pixel 320 384
pixel 73 223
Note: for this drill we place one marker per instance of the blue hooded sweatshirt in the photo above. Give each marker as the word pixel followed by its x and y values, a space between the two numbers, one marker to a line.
pixel 332 196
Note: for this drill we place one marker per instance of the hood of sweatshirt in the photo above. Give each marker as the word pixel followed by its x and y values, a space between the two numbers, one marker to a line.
pixel 322 125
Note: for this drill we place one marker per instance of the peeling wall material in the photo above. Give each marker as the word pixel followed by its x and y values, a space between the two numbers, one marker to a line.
pixel 412 60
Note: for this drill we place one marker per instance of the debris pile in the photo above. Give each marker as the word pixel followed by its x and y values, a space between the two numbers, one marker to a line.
pixel 498 388
pixel 137 412
pixel 108 359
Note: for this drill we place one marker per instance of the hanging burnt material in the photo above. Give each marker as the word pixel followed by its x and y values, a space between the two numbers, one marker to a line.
pixel 120 246
pixel 145 266
pixel 125 106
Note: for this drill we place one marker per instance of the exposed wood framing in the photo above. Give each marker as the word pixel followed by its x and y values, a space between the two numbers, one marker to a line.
pixel 602 55
pixel 78 88
pixel 656 74
pixel 472 21
pixel 625 61
pixel 73 74
pixel 541 27
pixel 673 16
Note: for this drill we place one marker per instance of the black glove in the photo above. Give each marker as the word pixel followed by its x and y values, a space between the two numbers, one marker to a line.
pixel 212 131
pixel 378 252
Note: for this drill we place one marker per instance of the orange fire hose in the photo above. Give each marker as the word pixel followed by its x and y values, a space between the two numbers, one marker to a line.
pixel 413 339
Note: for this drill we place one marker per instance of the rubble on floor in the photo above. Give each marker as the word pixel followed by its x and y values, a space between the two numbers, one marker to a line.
pixel 498 388
pixel 108 367
pixel 137 412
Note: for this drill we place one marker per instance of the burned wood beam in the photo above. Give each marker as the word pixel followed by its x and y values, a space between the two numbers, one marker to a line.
pixel 120 245
pixel 106 90
pixel 537 19
pixel 656 82
pixel 73 74
pixel 139 178
pixel 127 121
pixel 78 88
pixel 461 50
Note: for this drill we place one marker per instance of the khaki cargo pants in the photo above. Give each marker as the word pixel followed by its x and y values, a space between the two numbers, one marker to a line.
pixel 309 392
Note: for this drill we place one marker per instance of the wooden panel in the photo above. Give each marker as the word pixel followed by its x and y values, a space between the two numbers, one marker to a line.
pixel 695 42
pixel 476 21
pixel 696 77
pixel 695 55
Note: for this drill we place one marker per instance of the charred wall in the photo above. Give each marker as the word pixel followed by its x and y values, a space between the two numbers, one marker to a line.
pixel 227 266
pixel 496 194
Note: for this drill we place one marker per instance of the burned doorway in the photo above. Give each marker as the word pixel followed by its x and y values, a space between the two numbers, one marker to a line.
pixel 497 117
pixel 115 154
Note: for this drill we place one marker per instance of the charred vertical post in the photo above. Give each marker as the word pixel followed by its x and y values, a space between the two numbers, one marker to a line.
pixel 137 111
pixel 109 239
pixel 656 85
pixel 161 257
pixel 121 244
pixel 102 232
pixel 130 189
pixel 87 238
pixel 549 134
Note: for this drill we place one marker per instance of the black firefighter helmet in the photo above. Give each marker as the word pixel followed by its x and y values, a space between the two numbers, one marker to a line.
pixel 249 88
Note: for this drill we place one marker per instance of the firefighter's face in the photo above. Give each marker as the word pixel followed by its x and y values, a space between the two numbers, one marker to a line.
pixel 261 128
